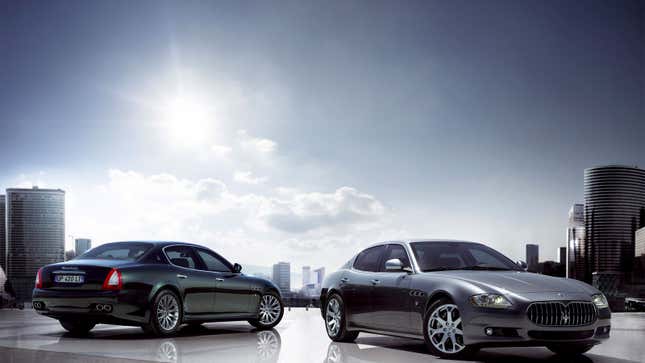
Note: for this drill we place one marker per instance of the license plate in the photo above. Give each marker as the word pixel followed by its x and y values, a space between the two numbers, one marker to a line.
pixel 70 279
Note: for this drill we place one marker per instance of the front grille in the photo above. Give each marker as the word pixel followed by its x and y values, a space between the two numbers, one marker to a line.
pixel 562 313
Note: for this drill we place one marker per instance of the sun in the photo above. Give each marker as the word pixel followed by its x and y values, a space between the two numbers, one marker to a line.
pixel 187 121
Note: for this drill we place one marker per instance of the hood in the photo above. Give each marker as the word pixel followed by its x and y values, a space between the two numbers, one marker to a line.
pixel 519 282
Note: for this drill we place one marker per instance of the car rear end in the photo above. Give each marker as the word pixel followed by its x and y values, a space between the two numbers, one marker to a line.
pixel 100 290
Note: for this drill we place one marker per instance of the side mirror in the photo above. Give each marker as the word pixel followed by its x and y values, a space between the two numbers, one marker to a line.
pixel 237 268
pixel 522 264
pixel 395 265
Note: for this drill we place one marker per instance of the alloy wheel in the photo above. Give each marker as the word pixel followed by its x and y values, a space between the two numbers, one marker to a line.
pixel 333 317
pixel 445 330
pixel 270 309
pixel 168 312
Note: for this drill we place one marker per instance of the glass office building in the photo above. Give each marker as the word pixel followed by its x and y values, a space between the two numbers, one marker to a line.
pixel 35 235
pixel 3 234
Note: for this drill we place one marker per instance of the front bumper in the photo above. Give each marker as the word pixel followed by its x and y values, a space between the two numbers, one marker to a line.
pixel 511 327
pixel 127 307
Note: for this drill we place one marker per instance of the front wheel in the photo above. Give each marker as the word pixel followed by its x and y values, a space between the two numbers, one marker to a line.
pixel 443 330
pixel 77 327
pixel 270 312
pixel 335 320
pixel 569 349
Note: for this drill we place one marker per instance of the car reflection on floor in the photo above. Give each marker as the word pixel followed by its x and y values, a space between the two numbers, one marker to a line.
pixel 365 352
pixel 192 344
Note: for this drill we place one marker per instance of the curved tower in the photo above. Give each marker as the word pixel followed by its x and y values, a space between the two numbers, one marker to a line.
pixel 614 195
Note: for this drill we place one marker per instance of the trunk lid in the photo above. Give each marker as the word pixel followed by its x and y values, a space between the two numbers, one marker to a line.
pixel 79 274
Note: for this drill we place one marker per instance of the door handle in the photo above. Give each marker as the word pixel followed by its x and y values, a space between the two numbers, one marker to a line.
pixel 344 279
pixel 182 276
pixel 219 279
pixel 376 282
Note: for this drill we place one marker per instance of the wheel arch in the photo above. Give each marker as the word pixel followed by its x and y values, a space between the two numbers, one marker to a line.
pixel 436 295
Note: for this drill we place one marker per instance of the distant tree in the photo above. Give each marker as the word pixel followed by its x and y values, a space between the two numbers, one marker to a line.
pixel 70 255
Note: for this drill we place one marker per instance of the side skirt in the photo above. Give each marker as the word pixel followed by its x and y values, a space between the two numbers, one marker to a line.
pixel 205 318
pixel 385 332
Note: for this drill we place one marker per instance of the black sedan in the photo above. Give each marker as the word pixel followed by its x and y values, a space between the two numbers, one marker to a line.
pixel 156 285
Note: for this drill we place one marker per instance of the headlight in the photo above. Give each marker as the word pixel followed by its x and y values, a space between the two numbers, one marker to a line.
pixel 490 301
pixel 600 300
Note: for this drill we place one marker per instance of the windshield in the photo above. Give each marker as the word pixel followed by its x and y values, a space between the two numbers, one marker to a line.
pixel 128 251
pixel 438 256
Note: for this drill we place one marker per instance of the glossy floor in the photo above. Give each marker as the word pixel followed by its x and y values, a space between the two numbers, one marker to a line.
pixel 27 337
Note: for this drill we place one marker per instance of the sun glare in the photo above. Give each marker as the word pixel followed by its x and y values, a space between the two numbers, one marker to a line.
pixel 187 121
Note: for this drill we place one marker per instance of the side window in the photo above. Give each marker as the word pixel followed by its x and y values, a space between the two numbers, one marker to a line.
pixel 213 262
pixel 182 256
pixel 368 260
pixel 395 251
pixel 155 258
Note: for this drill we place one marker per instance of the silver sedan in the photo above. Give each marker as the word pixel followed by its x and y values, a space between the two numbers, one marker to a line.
pixel 458 297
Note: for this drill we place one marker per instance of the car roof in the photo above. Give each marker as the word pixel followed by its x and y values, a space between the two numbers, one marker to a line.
pixel 412 240
pixel 159 243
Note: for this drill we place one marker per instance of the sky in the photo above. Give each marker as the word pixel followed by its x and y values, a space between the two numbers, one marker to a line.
pixel 304 131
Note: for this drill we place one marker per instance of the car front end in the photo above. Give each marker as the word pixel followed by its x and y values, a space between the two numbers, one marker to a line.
pixel 536 319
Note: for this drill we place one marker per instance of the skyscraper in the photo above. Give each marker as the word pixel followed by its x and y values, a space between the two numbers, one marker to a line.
pixel 282 277
pixel 306 275
pixel 532 257
pixel 3 234
pixel 575 241
pixel 614 195
pixel 319 274
pixel 82 245
pixel 562 255
pixel 35 235
pixel 640 243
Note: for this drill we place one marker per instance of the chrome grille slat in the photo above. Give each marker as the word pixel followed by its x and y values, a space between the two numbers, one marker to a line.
pixel 562 313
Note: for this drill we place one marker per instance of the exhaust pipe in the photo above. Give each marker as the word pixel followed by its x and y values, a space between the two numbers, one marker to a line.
pixel 103 308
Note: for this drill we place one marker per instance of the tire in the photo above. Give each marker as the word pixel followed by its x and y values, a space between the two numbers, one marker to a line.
pixel 570 349
pixel 270 312
pixel 166 314
pixel 76 327
pixel 335 320
pixel 445 345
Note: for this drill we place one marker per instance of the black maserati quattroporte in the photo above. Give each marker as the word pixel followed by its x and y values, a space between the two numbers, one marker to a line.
pixel 156 285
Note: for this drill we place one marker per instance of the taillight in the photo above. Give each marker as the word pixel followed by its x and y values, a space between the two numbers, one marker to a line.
pixel 113 280
pixel 39 278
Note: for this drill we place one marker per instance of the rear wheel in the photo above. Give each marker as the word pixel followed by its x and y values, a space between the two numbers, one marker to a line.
pixel 165 314
pixel 443 330
pixel 569 349
pixel 77 327
pixel 335 320
pixel 270 312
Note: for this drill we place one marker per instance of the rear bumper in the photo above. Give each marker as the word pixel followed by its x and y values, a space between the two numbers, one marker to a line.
pixel 128 307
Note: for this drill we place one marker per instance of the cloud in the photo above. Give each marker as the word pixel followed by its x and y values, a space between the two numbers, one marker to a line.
pixel 257 144
pixel 246 177
pixel 284 223
pixel 310 211
pixel 221 151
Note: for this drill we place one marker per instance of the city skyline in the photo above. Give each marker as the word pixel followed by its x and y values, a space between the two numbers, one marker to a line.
pixel 320 130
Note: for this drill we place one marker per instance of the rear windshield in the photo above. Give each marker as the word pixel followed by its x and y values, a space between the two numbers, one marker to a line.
pixel 128 251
